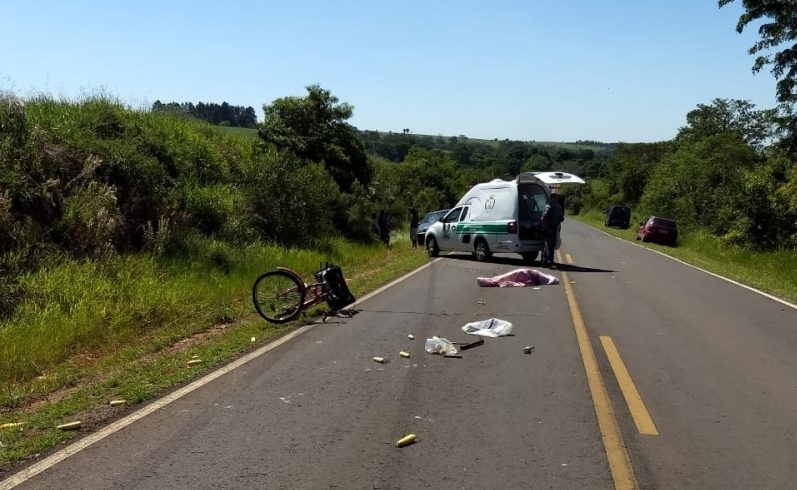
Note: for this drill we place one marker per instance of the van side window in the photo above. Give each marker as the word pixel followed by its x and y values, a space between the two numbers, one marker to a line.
pixel 453 216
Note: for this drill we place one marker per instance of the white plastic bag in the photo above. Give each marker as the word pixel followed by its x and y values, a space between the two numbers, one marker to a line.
pixel 489 328
pixel 437 345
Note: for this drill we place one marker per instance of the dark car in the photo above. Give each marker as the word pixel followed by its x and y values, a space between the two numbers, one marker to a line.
pixel 658 230
pixel 619 216
pixel 428 221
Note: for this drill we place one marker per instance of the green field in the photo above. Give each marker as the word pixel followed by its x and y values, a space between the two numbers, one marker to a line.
pixel 236 131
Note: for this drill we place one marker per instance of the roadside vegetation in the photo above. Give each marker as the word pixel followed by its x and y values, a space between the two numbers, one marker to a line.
pixel 770 271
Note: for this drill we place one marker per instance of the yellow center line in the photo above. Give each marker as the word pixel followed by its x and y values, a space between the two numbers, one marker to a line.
pixel 644 423
pixel 569 259
pixel 616 453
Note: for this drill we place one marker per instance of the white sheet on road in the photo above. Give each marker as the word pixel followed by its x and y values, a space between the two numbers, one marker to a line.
pixel 492 327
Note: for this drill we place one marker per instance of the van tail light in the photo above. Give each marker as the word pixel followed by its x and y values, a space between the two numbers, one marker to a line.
pixel 512 225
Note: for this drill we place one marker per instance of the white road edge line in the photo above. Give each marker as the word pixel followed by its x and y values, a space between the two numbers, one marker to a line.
pixel 762 293
pixel 90 439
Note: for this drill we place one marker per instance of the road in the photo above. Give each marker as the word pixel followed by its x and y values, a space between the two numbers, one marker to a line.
pixel 714 366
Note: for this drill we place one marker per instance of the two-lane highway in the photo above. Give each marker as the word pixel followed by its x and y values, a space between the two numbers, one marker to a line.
pixel 714 365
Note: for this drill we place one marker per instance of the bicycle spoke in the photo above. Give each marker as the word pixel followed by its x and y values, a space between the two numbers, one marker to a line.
pixel 278 297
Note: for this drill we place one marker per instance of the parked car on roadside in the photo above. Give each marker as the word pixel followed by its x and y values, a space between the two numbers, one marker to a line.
pixel 427 221
pixel 658 230
pixel 619 216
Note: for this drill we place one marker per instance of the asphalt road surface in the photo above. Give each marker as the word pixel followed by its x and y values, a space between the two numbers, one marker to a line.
pixel 714 367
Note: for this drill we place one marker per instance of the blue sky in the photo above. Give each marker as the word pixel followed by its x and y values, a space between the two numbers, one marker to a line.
pixel 614 70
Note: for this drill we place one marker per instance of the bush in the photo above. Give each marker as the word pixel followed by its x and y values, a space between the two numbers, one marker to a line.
pixel 288 200
pixel 91 221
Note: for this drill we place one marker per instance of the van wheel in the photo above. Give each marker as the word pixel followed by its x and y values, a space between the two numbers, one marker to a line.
pixel 432 250
pixel 530 257
pixel 482 251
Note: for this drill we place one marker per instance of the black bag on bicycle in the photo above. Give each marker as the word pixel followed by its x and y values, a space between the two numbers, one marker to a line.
pixel 338 294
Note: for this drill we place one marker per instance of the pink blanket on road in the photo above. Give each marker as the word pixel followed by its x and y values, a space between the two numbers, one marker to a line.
pixel 518 278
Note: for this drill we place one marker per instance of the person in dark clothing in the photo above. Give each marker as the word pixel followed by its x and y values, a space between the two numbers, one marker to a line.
pixel 375 226
pixel 384 227
pixel 414 227
pixel 552 217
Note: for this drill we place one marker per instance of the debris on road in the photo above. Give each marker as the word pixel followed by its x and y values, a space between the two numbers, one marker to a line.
pixel 194 362
pixel 456 356
pixel 69 426
pixel 481 302
pixel 437 345
pixel 471 345
pixel 411 337
pixel 11 425
pixel 492 327
pixel 405 354
pixel 528 349
pixel 380 360
pixel 518 278
pixel 116 403
pixel 406 440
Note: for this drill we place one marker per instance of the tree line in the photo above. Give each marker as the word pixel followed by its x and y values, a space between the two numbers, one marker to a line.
pixel 222 114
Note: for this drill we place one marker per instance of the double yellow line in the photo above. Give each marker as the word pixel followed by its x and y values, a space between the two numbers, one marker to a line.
pixel 616 453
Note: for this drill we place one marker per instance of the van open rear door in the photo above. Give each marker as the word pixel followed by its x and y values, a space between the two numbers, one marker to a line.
pixel 555 178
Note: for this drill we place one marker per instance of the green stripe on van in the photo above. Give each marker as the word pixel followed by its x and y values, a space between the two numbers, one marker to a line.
pixel 486 228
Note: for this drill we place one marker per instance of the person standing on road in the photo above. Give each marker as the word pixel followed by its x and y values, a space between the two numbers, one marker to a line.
pixel 414 227
pixel 552 217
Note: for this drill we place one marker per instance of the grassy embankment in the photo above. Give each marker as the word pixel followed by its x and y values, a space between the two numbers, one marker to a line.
pixel 126 327
pixel 773 272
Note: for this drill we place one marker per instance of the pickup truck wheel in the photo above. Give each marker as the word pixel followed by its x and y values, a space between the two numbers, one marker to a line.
pixel 482 251
pixel 432 249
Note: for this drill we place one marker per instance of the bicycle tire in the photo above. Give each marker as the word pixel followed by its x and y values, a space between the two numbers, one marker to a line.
pixel 278 296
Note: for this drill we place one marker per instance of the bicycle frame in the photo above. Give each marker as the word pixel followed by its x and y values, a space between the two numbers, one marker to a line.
pixel 314 294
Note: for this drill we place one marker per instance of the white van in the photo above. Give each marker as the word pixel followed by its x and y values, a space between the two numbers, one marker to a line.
pixel 498 217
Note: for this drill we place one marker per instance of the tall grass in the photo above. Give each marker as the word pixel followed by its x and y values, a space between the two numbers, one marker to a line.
pixel 81 307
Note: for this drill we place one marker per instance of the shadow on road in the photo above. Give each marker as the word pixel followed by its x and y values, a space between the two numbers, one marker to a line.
pixel 578 268
pixel 519 262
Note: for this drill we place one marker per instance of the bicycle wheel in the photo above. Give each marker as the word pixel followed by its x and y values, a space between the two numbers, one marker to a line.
pixel 278 296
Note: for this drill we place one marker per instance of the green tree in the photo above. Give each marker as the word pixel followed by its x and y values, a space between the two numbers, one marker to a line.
pixel 314 127
pixel 756 127
pixel 780 27
pixel 630 169
pixel 702 184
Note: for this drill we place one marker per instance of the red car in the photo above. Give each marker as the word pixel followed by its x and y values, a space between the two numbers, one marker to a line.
pixel 658 230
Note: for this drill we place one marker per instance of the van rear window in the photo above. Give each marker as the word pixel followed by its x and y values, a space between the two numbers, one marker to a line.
pixel 531 201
